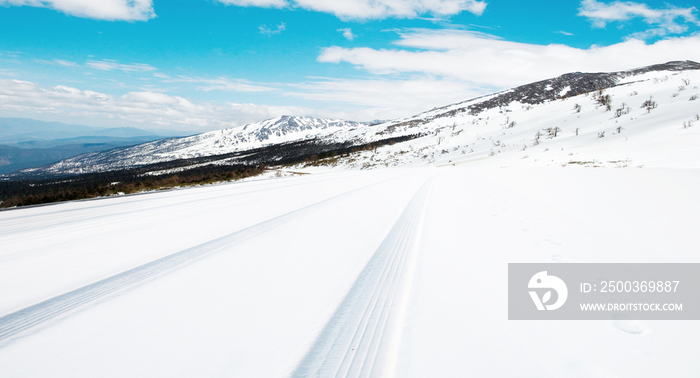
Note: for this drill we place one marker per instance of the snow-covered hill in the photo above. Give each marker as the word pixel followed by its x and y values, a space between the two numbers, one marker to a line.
pixel 648 117
pixel 642 117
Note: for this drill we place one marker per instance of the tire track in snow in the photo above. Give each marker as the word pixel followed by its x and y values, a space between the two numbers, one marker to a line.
pixel 18 322
pixel 362 336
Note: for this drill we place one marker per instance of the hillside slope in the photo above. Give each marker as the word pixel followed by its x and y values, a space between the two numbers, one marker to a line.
pixel 646 117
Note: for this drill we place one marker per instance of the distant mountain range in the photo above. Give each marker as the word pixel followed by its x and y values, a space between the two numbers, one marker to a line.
pixel 255 135
pixel 28 143
pixel 19 130
pixel 591 119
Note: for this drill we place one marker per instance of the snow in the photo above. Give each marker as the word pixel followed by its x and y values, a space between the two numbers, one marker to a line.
pixel 647 139
pixel 386 263
pixel 258 306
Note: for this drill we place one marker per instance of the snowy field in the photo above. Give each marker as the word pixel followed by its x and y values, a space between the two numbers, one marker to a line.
pixel 393 272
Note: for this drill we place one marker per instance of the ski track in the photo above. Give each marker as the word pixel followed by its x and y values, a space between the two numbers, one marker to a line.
pixel 18 322
pixel 361 338
pixel 214 198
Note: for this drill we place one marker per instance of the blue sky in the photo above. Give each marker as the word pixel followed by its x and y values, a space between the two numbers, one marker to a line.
pixel 200 65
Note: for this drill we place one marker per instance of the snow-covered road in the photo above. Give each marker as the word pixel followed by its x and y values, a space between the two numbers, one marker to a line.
pixel 394 272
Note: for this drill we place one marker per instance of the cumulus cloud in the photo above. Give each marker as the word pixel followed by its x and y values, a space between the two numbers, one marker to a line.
pixel 373 9
pixel 113 10
pixel 142 107
pixel 366 100
pixel 378 9
pixel 665 19
pixel 347 33
pixel 484 60
pixel 270 32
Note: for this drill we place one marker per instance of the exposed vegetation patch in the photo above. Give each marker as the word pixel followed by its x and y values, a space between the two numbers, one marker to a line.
pixel 576 162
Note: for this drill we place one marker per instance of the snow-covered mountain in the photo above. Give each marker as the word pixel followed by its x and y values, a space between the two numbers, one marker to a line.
pixel 269 132
pixel 641 117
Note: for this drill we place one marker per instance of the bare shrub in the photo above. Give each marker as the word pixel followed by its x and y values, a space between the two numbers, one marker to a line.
pixel 624 109
pixel 603 99
pixel 552 132
pixel 649 104
pixel 538 135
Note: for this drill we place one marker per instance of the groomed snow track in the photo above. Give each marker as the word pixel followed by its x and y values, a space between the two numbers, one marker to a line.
pixel 362 337
pixel 34 316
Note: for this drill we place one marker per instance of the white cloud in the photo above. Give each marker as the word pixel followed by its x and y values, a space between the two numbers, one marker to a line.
pixel 378 9
pixel 134 108
pixel 347 33
pixel 369 99
pixel 11 54
pixel 65 63
pixel 270 32
pixel 256 3
pixel 564 33
pixel 339 98
pixel 600 14
pixel 105 65
pixel 483 60
pixel 113 10
pixel 57 61
pixel 109 65
pixel 223 84
pixel 373 9
pixel 6 72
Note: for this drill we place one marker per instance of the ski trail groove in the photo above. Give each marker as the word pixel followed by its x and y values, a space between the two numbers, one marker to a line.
pixel 33 316
pixel 361 338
